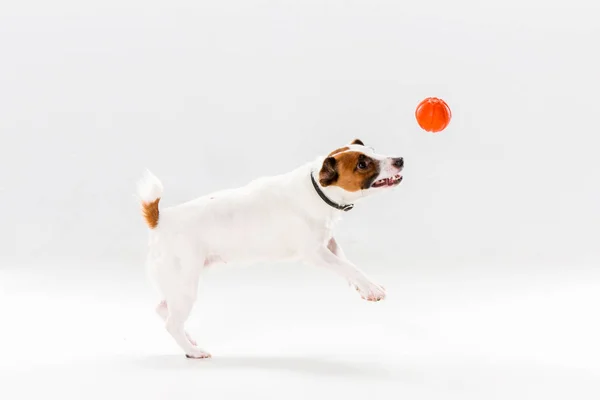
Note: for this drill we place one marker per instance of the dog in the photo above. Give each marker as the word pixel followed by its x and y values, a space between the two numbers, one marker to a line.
pixel 286 217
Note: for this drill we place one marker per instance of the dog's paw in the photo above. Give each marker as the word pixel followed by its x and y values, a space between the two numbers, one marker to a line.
pixel 370 291
pixel 198 354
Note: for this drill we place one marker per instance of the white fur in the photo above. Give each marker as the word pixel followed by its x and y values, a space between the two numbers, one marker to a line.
pixel 277 218
pixel 149 188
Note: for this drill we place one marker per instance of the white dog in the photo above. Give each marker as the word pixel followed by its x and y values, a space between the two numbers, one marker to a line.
pixel 284 217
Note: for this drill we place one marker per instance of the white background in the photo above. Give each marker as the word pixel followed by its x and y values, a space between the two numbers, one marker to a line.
pixel 488 248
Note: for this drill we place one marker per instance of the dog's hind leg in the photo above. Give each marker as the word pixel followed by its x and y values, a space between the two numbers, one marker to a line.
pixel 178 312
pixel 162 311
pixel 180 292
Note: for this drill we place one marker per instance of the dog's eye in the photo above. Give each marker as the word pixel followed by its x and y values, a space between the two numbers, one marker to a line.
pixel 361 165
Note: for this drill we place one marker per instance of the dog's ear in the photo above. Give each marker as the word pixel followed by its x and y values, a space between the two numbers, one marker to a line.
pixel 358 141
pixel 328 173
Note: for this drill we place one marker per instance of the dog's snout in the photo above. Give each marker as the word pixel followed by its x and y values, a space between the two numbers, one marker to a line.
pixel 398 162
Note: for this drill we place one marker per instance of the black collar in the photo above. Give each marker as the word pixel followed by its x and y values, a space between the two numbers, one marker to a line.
pixel 346 207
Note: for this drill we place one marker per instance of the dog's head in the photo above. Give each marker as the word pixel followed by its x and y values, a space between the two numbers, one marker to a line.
pixel 356 171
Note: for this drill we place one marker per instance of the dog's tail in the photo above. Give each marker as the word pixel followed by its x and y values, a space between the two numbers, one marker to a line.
pixel 150 190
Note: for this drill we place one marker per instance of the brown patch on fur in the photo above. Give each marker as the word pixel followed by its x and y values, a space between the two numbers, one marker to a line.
pixel 328 174
pixel 343 170
pixel 150 213
pixel 337 151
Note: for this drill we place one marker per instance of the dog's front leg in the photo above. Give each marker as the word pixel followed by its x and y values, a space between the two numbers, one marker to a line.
pixel 326 257
pixel 336 249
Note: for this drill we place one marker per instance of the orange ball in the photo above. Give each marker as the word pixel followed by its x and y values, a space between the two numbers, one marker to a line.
pixel 433 114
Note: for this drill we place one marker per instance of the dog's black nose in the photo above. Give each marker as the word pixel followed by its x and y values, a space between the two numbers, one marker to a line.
pixel 398 162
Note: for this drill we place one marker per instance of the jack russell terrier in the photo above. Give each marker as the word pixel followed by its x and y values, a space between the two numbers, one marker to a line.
pixel 279 218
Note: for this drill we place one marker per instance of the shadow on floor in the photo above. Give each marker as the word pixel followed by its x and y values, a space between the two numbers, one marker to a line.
pixel 304 365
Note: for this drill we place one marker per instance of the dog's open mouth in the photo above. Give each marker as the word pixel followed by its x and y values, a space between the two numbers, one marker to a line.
pixel 387 182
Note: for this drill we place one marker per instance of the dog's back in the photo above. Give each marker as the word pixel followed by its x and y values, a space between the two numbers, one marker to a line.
pixel 263 220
